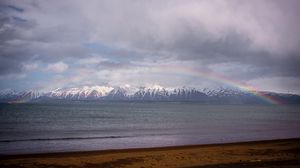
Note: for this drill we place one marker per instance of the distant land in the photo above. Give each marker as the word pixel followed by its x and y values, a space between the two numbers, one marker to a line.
pixel 155 93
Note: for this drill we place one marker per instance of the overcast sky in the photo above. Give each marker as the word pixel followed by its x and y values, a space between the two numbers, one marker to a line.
pixel 65 43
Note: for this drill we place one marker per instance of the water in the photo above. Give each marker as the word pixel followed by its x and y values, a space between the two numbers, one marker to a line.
pixel 86 126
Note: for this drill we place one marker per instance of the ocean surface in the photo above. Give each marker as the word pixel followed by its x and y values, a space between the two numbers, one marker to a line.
pixel 86 126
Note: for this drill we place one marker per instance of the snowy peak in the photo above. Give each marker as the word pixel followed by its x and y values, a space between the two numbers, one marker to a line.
pixel 85 92
pixel 148 93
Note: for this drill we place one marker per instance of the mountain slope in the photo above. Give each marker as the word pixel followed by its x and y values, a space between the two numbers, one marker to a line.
pixel 154 93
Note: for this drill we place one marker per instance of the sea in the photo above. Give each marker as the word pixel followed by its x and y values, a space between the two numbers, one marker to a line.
pixel 90 126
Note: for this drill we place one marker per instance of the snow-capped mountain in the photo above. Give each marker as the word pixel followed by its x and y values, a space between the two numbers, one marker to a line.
pixel 15 96
pixel 85 92
pixel 149 93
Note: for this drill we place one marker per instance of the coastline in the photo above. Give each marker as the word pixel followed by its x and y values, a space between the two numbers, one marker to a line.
pixel 270 153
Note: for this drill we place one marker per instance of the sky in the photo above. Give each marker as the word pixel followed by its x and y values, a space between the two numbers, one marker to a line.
pixel 71 43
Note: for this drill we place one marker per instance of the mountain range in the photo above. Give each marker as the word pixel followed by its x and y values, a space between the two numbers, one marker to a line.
pixel 153 93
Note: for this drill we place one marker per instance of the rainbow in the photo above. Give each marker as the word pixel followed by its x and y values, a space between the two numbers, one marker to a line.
pixel 218 78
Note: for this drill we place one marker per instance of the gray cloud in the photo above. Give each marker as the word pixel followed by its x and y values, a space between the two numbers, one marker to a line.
pixel 256 39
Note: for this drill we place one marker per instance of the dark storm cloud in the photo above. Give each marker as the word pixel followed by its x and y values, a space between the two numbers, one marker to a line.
pixel 15 8
pixel 232 47
pixel 23 43
pixel 11 56
pixel 236 48
pixel 277 55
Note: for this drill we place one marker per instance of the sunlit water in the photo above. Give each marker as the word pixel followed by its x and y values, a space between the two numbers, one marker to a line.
pixel 85 126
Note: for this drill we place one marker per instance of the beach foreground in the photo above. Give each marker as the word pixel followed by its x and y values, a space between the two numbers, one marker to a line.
pixel 274 153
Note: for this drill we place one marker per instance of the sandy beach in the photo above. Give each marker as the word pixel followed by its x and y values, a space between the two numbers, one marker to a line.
pixel 273 153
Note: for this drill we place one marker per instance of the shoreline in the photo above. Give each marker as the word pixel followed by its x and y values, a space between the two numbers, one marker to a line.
pixel 281 152
pixel 107 151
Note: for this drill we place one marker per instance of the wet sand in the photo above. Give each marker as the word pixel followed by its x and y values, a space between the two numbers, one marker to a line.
pixel 262 154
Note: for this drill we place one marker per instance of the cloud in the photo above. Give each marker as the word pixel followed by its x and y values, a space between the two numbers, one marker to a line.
pixel 119 41
pixel 280 84
pixel 31 66
pixel 57 67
